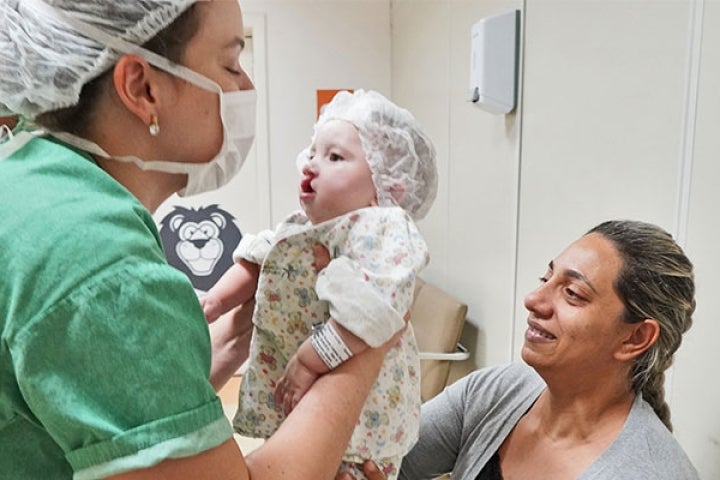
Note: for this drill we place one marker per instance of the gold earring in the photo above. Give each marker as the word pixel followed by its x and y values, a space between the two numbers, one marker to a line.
pixel 154 127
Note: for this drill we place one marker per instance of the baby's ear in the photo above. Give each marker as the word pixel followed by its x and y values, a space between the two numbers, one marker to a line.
pixel 397 190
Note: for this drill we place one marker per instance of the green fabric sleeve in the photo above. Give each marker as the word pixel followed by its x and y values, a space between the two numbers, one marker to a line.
pixel 120 366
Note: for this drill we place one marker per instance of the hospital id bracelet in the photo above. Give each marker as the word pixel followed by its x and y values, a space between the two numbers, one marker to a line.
pixel 329 345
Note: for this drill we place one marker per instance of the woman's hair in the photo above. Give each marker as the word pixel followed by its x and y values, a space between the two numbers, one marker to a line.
pixel 169 43
pixel 656 281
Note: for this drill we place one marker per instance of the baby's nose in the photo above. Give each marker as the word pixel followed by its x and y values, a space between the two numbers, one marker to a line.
pixel 310 168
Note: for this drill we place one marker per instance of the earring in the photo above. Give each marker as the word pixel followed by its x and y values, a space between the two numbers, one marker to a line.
pixel 154 128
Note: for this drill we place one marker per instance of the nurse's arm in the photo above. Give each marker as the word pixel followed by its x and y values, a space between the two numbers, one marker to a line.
pixel 308 445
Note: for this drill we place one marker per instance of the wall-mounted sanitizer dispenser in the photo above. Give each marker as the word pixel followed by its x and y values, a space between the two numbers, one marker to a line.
pixel 493 62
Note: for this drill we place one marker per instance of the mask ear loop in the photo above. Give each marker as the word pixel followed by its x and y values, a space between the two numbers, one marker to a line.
pixel 5 133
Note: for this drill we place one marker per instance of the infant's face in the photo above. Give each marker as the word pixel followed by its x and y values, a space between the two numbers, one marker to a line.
pixel 337 179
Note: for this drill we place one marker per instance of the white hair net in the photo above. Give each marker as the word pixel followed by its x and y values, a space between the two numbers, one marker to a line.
pixel 44 62
pixel 400 155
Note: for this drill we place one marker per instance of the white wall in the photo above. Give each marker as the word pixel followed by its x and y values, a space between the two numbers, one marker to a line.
pixel 695 395
pixel 470 229
pixel 604 131
pixel 602 128
pixel 315 44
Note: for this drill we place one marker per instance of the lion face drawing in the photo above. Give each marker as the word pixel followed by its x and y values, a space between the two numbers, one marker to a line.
pixel 200 242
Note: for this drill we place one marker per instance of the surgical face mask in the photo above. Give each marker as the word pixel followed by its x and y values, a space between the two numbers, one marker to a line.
pixel 237 112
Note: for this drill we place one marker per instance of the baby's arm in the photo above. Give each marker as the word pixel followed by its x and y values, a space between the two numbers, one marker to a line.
pixel 368 296
pixel 234 288
pixel 239 283
pixel 308 364
pixel 369 290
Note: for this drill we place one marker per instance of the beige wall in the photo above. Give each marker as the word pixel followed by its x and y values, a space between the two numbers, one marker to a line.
pixel 608 127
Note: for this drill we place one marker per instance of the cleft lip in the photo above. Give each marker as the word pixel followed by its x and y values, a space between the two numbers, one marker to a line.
pixel 306 184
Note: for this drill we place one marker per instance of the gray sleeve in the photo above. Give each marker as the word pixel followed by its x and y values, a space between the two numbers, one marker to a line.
pixel 643 450
pixel 441 424
pixel 461 428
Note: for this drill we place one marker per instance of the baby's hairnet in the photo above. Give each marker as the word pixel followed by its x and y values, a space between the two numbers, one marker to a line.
pixel 44 63
pixel 400 155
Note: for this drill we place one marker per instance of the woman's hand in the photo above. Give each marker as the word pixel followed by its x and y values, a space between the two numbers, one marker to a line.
pixel 372 472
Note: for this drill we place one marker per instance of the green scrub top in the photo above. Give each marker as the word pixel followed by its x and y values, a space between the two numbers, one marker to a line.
pixel 104 349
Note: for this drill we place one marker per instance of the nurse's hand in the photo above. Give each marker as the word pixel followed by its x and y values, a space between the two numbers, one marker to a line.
pixel 212 308
pixel 372 472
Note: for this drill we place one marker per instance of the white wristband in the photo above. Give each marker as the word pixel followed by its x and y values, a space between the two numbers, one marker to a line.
pixel 329 345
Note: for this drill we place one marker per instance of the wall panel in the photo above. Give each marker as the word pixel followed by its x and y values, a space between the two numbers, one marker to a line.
pixel 694 392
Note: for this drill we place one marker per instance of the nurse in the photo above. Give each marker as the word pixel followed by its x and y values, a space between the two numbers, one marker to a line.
pixel 105 352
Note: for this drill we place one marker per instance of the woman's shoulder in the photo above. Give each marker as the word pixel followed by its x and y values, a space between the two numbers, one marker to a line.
pixel 645 449
pixel 504 376
pixel 506 384
pixel 656 445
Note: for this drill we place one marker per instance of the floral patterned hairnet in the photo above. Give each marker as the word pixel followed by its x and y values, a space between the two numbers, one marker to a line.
pixel 397 150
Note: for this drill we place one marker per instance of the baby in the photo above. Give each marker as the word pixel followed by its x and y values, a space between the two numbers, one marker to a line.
pixel 368 173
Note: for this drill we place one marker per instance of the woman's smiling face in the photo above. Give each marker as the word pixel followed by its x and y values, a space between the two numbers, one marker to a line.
pixel 575 316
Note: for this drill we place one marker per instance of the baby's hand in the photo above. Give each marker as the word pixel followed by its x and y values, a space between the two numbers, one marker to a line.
pixel 212 308
pixel 321 256
pixel 371 471
pixel 294 383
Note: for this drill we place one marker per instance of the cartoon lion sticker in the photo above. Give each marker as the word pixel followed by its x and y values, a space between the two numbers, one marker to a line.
pixel 200 242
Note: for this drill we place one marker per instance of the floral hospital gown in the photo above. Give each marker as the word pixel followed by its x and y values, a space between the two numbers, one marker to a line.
pixel 368 286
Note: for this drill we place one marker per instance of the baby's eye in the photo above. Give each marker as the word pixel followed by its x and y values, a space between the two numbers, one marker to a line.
pixel 233 70
pixel 543 279
pixel 334 157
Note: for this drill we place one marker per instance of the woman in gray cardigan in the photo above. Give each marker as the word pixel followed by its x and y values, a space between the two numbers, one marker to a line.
pixel 588 401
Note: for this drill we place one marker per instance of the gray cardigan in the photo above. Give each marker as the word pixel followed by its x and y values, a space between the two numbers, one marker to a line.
pixel 465 425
